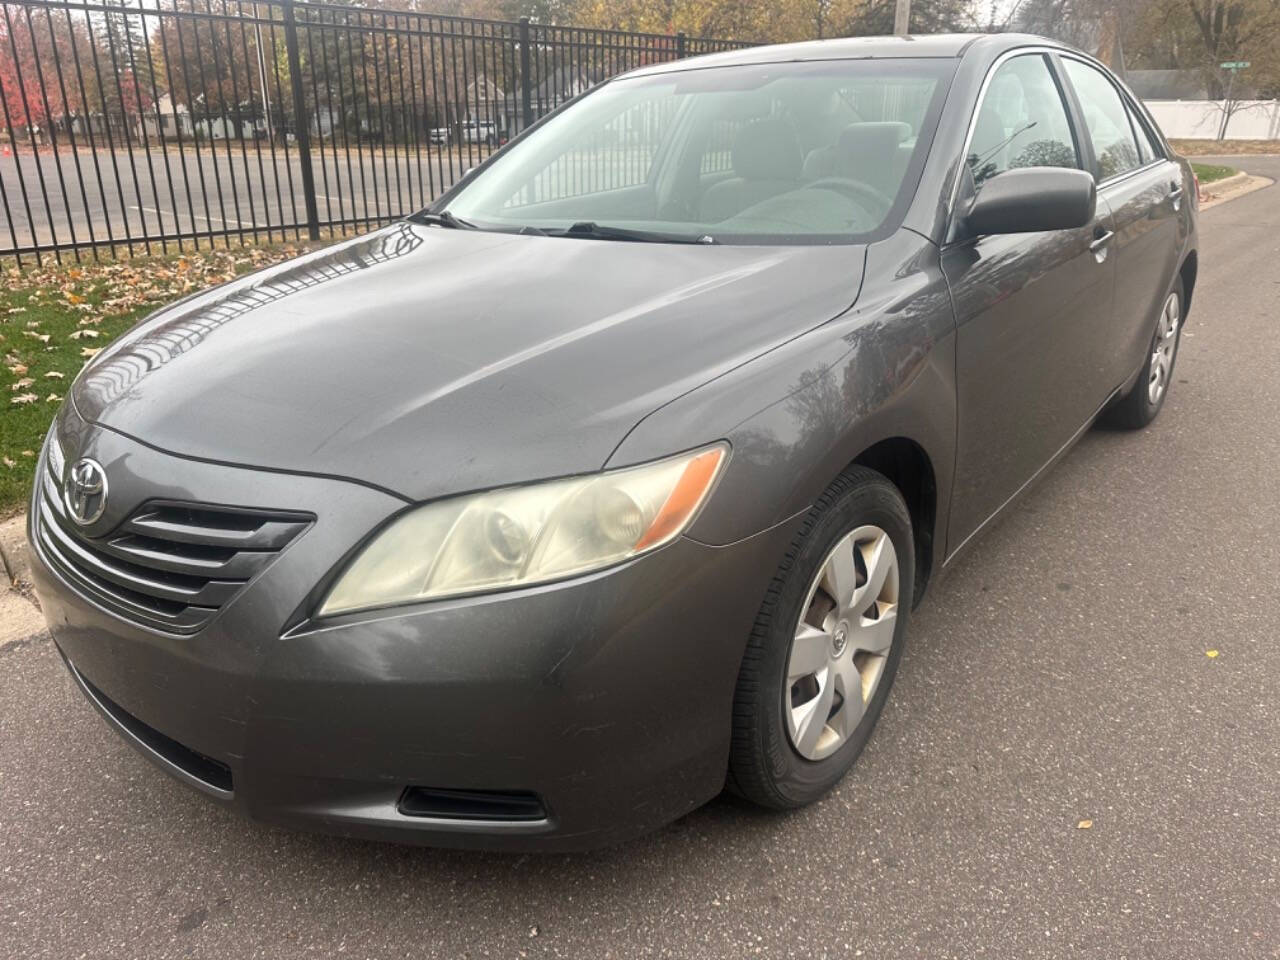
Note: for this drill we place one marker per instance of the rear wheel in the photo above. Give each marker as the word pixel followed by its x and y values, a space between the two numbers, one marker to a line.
pixel 826 644
pixel 1140 405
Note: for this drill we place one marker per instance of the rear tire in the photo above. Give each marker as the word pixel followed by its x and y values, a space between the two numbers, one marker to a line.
pixel 796 725
pixel 1143 402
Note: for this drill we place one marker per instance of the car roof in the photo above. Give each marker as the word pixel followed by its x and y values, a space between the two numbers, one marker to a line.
pixel 941 45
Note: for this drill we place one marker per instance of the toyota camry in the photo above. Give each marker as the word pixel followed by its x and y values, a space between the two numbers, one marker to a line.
pixel 611 479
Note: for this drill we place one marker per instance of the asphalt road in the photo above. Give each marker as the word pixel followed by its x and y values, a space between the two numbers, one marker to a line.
pixel 219 188
pixel 1060 674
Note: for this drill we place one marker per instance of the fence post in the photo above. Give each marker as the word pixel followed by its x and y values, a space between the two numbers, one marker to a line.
pixel 526 78
pixel 301 120
pixel 680 45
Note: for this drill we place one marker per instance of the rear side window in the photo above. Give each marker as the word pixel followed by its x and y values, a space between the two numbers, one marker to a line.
pixel 1022 122
pixel 1148 148
pixel 1107 119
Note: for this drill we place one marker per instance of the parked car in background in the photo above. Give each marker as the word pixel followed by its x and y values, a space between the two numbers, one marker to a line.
pixel 614 477
pixel 480 131
pixel 438 136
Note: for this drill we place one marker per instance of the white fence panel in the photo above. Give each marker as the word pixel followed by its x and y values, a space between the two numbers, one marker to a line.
pixel 1201 119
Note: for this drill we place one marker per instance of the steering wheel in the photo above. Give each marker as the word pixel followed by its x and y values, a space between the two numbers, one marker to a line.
pixel 863 194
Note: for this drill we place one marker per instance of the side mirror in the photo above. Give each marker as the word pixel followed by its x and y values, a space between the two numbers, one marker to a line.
pixel 1031 199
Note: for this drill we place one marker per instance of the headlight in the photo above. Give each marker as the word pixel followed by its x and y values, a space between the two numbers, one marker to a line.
pixel 525 535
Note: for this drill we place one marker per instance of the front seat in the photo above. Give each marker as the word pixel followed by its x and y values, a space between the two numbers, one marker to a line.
pixel 865 151
pixel 766 162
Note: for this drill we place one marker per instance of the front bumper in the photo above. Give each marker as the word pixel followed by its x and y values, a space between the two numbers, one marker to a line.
pixel 608 697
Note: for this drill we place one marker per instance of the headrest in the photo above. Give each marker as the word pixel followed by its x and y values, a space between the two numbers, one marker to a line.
pixel 767 150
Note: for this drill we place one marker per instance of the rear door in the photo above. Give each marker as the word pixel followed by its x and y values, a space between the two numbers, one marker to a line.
pixel 1143 188
pixel 1033 310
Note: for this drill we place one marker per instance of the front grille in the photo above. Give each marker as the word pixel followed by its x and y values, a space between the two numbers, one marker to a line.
pixel 170 566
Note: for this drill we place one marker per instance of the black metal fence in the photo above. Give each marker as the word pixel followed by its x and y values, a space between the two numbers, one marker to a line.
pixel 162 124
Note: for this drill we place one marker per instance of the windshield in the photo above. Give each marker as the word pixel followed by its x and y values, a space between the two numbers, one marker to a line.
pixel 764 153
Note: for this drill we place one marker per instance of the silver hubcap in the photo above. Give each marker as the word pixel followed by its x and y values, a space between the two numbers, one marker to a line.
pixel 1162 353
pixel 841 642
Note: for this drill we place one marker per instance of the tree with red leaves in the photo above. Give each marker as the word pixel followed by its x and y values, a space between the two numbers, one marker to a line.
pixel 35 42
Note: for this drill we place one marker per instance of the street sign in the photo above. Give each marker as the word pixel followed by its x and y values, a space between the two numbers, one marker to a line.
pixel 1234 65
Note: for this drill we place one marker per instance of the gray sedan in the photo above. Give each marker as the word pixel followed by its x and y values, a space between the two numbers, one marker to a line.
pixel 612 479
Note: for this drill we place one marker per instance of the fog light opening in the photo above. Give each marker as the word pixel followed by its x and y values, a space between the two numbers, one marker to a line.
pixel 492 805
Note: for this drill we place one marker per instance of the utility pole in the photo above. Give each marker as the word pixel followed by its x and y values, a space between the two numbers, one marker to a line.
pixel 902 18
pixel 262 80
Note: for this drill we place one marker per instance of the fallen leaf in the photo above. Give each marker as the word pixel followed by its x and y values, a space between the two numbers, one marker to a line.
pixel 10 463
pixel 24 398
pixel 1211 654
pixel 21 384
pixel 55 375
pixel 53 398
pixel 1084 825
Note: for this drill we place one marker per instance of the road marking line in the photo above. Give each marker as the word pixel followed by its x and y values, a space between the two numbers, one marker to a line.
pixel 224 222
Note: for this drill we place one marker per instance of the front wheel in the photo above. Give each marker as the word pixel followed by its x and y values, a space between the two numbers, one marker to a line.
pixel 826 644
pixel 1139 406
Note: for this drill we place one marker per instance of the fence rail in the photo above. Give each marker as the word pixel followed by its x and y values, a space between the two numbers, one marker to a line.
pixel 167 124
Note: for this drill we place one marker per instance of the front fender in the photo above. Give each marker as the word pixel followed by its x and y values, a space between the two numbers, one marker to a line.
pixel 799 415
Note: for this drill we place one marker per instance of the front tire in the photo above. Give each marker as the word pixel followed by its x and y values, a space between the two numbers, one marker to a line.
pixel 826 644
pixel 1143 402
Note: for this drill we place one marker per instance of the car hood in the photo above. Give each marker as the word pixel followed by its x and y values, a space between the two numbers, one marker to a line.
pixel 429 361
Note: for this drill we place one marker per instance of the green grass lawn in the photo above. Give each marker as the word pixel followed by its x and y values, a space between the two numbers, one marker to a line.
pixel 54 318
pixel 1209 172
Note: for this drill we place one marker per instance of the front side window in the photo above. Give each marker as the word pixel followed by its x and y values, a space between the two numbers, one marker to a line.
pixel 783 152
pixel 1022 122
pixel 1106 118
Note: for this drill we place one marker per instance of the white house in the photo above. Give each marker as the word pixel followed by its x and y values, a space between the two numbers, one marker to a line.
pixel 165 121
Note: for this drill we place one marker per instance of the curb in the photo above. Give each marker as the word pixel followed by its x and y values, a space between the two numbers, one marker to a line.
pixel 1246 184
pixel 1226 183
pixel 20 618
pixel 13 550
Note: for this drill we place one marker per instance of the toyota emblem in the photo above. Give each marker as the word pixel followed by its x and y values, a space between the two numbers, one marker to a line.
pixel 86 491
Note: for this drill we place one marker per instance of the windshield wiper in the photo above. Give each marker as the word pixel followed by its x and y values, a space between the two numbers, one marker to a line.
pixel 442 219
pixel 595 231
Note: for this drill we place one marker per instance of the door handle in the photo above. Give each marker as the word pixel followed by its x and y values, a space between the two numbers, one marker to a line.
pixel 1099 245
pixel 1175 195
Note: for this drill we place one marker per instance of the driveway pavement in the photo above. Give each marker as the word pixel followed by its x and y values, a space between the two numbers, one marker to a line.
pixel 1108 655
